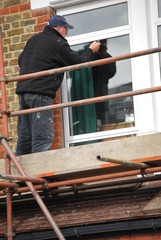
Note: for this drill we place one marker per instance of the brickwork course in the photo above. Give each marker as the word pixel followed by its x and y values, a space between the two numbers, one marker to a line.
pixel 19 23
pixel 74 211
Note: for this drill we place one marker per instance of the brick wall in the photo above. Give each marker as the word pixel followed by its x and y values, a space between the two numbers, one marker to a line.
pixel 149 235
pixel 18 24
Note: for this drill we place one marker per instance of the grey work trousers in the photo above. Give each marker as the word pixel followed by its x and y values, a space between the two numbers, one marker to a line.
pixel 35 131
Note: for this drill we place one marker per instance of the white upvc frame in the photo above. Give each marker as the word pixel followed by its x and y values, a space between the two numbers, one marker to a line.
pixel 154 22
pixel 88 38
pixel 141 70
pixel 141 73
pixel 142 30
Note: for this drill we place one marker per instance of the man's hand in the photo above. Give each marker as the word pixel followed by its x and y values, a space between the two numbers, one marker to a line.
pixel 94 46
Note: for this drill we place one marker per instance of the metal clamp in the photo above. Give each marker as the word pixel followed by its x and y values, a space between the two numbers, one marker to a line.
pixel 45 185
pixel 6 138
pixel 5 79
pixel 142 172
pixel 10 234
pixel 5 112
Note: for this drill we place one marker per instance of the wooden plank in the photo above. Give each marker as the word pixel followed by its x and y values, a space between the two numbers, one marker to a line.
pixel 83 159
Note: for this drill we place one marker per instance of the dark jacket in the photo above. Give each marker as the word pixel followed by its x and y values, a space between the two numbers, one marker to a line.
pixel 44 51
pixel 102 74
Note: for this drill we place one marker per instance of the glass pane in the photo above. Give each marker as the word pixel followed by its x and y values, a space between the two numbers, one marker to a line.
pixel 98 81
pixel 159 8
pixel 159 42
pixel 98 19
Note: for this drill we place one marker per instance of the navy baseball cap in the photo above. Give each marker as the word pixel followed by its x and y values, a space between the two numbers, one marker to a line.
pixel 58 20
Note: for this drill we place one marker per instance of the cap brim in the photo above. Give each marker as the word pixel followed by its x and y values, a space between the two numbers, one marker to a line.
pixel 69 26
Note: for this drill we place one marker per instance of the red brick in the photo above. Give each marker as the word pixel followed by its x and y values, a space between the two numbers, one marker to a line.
pixel 42 11
pixel 1 128
pixel 147 236
pixel 57 112
pixel 113 238
pixel 43 19
pixel 124 238
pixel 24 7
pixel 4 11
pixel 57 117
pixel 58 134
pixel 102 238
pixel 56 146
pixel 1 153
pixel 157 236
pixel 59 140
pixel 57 126
pixel 39 27
pixel 13 9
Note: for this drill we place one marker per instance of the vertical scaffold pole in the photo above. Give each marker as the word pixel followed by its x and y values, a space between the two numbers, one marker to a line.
pixel 33 191
pixel 10 233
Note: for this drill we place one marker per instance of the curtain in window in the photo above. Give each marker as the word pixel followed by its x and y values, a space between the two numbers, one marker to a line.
pixel 84 117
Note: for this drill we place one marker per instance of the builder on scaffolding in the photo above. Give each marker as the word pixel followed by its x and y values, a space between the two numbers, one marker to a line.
pixel 44 51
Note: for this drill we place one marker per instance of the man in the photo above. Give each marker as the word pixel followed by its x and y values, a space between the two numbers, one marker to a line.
pixel 101 75
pixel 44 51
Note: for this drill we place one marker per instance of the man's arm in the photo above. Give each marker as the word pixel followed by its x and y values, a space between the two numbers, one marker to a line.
pixel 69 57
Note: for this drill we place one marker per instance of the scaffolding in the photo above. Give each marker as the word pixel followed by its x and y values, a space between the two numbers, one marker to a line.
pixel 9 185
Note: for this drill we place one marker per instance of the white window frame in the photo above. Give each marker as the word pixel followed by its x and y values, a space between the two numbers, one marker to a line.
pixel 154 22
pixel 141 79
pixel 142 30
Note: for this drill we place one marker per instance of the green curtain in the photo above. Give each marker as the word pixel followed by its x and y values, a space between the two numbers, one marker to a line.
pixel 84 117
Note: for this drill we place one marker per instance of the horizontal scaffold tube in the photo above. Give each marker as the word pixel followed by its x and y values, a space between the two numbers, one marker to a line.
pixel 123 162
pixel 83 65
pixel 23 179
pixel 90 179
pixel 7 185
pixel 86 101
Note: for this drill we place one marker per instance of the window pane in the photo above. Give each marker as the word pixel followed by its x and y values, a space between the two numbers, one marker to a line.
pixel 159 8
pixel 98 19
pixel 98 81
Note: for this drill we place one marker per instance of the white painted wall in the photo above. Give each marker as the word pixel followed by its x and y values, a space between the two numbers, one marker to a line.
pixel 35 4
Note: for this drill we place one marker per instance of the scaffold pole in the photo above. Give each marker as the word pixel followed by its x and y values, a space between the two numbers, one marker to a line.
pixel 33 191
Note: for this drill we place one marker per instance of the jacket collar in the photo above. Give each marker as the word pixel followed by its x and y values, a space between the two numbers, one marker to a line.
pixel 49 29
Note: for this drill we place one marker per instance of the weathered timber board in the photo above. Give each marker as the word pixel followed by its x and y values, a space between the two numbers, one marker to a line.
pixel 154 205
pixel 82 159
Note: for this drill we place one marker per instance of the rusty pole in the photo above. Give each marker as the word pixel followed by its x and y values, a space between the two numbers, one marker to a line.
pixel 7 185
pixel 10 233
pixel 23 179
pixel 123 162
pixel 87 101
pixel 82 65
pixel 90 179
pixel 33 191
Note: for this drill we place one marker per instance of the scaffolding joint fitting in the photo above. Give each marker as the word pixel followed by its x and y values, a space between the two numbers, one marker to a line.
pixel 45 185
pixel 10 234
pixel 14 190
pixel 5 79
pixel 5 112
pixel 11 190
pixel 75 190
pixel 6 138
pixel 142 172
pixel 5 156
